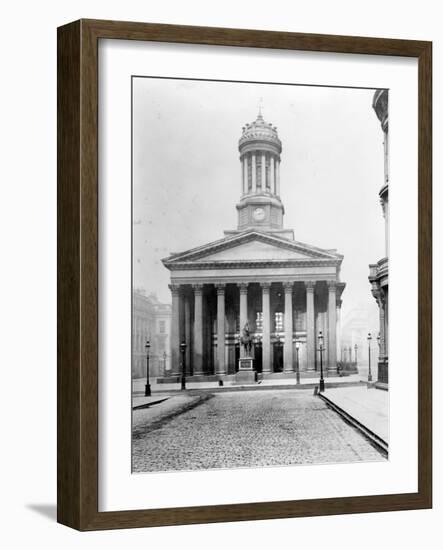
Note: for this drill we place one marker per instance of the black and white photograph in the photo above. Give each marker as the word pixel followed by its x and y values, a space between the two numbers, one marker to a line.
pixel 260 274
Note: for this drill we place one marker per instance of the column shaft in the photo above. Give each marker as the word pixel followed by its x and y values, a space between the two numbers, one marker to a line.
pixel 288 351
pixel 332 325
pixel 221 363
pixel 187 334
pixel 272 182
pixel 310 326
pixel 175 329
pixel 254 174
pixel 266 342
pixel 277 177
pixel 198 329
pixel 245 175
pixel 338 331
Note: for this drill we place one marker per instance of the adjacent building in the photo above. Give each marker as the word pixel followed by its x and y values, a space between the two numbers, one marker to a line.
pixel 257 274
pixel 378 273
pixel 151 321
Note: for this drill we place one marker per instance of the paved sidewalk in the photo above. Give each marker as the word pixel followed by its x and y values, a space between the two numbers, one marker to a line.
pixel 141 401
pixel 138 385
pixel 367 405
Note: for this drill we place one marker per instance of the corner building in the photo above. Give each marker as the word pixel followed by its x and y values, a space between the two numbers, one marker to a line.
pixel 379 272
pixel 286 290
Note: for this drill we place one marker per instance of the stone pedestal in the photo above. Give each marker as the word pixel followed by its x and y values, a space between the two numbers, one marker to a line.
pixel 246 373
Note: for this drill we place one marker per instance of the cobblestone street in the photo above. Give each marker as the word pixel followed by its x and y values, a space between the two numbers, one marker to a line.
pixel 249 429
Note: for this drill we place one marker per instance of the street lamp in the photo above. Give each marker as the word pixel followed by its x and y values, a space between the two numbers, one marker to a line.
pixel 183 351
pixel 369 357
pixel 320 344
pixel 147 385
pixel 164 363
pixel 297 364
pixel 356 350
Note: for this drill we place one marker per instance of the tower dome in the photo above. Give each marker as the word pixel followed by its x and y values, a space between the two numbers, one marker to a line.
pixel 260 134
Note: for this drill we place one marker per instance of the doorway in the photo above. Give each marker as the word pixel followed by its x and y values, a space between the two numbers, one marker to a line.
pixel 258 357
pixel 278 357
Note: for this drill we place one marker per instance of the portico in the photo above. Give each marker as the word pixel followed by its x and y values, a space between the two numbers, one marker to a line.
pixel 216 291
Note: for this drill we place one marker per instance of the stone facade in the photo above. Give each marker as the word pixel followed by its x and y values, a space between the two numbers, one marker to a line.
pixel 286 290
pixel 151 320
pixel 379 272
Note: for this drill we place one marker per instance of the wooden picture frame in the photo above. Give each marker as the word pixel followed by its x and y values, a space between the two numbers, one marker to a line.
pixel 78 274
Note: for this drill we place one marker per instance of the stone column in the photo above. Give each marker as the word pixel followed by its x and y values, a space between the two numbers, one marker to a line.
pixel 198 329
pixel 243 288
pixel 310 326
pixel 254 174
pixel 338 329
pixel 288 351
pixel 272 182
pixel 187 333
pixel 277 177
pixel 221 363
pixel 332 325
pixel 263 172
pixel 175 329
pixel 266 342
pixel 245 175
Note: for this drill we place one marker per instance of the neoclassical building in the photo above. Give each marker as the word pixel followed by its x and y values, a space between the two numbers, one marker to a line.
pixel 286 290
pixel 151 321
pixel 379 272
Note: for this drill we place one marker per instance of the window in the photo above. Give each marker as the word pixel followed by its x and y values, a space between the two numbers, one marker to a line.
pixel 279 321
pixel 259 321
pixel 268 172
pixel 258 165
pixel 162 326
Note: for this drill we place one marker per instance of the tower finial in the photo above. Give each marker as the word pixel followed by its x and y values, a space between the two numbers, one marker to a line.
pixel 260 107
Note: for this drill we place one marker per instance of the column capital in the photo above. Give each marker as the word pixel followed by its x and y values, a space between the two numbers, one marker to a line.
pixel 221 287
pixel 197 288
pixel 332 286
pixel 310 286
pixel 174 288
pixel 288 286
pixel 243 287
pixel 265 286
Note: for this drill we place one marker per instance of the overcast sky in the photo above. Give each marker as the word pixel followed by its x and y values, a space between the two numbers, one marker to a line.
pixel 187 173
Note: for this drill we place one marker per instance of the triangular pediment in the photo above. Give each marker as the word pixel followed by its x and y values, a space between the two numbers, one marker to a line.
pixel 252 247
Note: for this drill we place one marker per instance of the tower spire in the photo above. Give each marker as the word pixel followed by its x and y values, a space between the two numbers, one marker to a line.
pixel 260 107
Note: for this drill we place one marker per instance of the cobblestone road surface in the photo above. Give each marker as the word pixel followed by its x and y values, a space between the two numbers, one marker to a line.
pixel 250 429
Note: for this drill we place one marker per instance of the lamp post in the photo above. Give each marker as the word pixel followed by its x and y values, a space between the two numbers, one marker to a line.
pixel 320 349
pixel 297 364
pixel 356 350
pixel 183 352
pixel 147 385
pixel 164 363
pixel 369 357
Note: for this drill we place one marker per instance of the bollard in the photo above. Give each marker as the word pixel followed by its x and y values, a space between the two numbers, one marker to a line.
pixel 220 382
pixel 315 390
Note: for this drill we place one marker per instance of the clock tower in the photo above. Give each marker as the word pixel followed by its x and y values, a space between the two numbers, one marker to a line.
pixel 260 206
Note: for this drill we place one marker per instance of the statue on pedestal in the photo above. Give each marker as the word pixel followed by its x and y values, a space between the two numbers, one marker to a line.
pixel 246 340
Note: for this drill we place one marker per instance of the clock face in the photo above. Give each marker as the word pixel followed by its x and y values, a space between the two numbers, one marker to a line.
pixel 259 214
